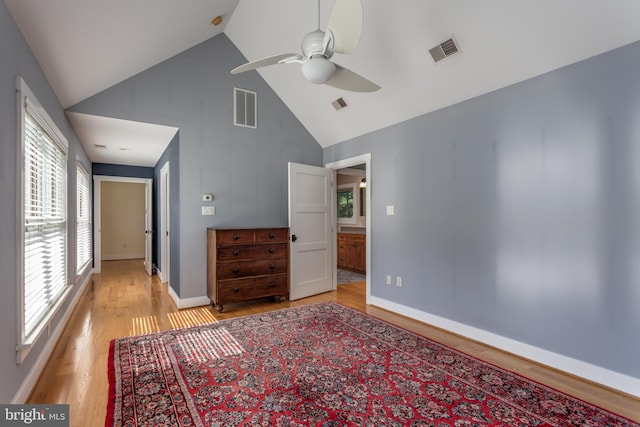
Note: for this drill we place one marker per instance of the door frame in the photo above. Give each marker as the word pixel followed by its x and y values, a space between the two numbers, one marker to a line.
pixel 97 220
pixel 341 164
pixel 165 233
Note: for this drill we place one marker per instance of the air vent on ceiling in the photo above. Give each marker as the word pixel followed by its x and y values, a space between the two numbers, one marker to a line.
pixel 100 146
pixel 339 104
pixel 444 50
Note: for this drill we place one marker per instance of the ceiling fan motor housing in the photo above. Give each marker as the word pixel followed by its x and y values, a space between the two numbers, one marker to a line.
pixel 313 44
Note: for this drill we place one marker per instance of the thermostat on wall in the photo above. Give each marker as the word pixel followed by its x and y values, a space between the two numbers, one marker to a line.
pixel 207 197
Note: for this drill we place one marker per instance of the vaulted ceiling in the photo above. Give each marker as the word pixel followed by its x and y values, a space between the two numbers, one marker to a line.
pixel 85 47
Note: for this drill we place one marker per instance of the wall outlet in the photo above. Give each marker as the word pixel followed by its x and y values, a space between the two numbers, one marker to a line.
pixel 390 210
pixel 388 279
pixel 399 281
pixel 208 210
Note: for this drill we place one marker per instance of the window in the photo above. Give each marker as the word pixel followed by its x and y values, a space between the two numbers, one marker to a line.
pixel 43 282
pixel 345 203
pixel 245 108
pixel 83 217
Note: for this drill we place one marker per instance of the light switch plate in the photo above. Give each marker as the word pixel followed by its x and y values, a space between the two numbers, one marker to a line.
pixel 208 210
pixel 390 210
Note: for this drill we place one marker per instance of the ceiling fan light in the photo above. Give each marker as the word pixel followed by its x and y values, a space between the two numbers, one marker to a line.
pixel 318 70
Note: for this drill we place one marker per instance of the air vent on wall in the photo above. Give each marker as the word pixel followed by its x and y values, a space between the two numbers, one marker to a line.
pixel 339 104
pixel 444 50
pixel 245 108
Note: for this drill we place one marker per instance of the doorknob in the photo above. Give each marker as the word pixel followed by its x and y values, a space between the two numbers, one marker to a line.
pixel 294 238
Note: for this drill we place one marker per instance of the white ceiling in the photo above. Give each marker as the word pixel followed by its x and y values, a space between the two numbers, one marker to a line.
pixel 121 142
pixel 85 47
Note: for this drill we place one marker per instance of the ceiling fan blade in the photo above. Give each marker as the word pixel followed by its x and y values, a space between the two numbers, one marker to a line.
pixel 264 62
pixel 345 25
pixel 348 80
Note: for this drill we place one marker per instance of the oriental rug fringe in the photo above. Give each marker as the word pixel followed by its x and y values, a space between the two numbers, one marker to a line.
pixel 322 365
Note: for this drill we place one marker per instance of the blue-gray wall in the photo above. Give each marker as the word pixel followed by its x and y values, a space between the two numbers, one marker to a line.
pixel 107 169
pixel 245 169
pixel 518 212
pixel 17 59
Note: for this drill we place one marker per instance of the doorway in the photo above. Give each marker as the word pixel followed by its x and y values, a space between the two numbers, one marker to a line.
pixel 354 222
pixel 351 227
pixel 148 218
pixel 316 207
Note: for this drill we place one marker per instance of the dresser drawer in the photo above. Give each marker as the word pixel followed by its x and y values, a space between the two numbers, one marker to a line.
pixel 227 237
pixel 230 270
pixel 265 235
pixel 255 287
pixel 245 252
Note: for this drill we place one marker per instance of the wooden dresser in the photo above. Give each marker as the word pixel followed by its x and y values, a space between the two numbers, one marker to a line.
pixel 352 252
pixel 246 263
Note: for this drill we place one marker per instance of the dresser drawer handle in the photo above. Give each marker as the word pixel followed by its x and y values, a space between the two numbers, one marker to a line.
pixel 236 252
pixel 272 236
pixel 236 290
pixel 271 267
pixel 236 270
pixel 272 284
pixel 236 237
pixel 271 250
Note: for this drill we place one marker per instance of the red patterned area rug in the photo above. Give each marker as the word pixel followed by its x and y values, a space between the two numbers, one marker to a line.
pixel 322 365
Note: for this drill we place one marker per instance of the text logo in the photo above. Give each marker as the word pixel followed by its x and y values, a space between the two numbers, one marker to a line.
pixel 34 415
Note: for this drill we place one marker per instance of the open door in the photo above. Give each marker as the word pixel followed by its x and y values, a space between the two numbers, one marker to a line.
pixel 310 220
pixel 148 227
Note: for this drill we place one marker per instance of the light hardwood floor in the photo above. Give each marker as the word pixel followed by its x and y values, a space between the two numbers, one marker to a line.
pixel 124 301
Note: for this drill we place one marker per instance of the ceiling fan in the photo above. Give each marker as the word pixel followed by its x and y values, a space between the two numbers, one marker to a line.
pixel 342 36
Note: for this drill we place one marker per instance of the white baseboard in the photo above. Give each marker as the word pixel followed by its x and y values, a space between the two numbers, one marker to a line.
pixel 597 374
pixel 188 302
pixel 36 370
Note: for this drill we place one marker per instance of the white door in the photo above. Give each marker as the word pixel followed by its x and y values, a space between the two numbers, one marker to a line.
pixel 310 220
pixel 148 228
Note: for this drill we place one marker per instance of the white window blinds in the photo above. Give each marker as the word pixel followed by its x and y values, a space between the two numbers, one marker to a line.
pixel 44 281
pixel 83 218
